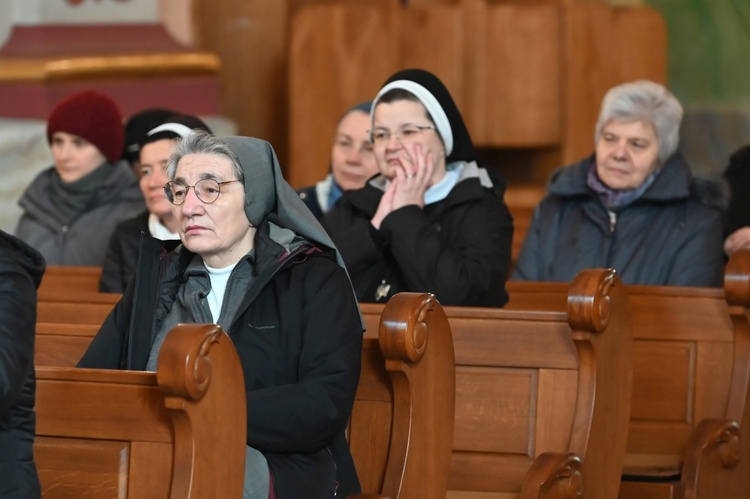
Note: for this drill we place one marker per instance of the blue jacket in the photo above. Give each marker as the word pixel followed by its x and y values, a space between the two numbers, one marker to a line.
pixel 670 236
pixel 21 270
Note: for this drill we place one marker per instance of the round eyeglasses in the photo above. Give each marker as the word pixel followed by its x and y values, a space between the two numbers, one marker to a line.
pixel 207 190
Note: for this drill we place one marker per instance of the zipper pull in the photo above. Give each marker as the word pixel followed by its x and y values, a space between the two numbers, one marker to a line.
pixel 612 220
pixel 382 290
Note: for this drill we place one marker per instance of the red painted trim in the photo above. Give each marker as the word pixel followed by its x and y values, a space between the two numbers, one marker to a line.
pixel 67 40
pixel 198 95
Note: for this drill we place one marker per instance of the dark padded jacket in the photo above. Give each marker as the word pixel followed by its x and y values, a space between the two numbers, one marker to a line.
pixel 21 270
pixel 738 177
pixel 457 248
pixel 670 235
pixel 122 254
pixel 298 334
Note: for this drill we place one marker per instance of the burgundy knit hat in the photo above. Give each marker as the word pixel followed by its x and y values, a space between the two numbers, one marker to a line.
pixel 93 116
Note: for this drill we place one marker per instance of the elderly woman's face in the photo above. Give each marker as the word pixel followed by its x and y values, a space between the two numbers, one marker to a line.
pixel 627 153
pixel 406 126
pixel 218 231
pixel 352 157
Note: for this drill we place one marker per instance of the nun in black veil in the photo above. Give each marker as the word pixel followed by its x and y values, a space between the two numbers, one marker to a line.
pixel 433 220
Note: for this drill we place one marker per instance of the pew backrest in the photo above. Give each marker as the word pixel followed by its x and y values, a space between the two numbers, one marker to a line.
pixel 69 279
pixel 541 396
pixel 402 424
pixel 691 370
pixel 114 439
pixel 176 433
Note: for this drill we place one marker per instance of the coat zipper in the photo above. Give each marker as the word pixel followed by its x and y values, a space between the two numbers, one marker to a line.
pixel 612 220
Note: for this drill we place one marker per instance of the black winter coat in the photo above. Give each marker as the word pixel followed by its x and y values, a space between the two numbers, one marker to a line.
pixel 738 177
pixel 458 248
pixel 21 270
pixel 670 236
pixel 298 334
pixel 121 261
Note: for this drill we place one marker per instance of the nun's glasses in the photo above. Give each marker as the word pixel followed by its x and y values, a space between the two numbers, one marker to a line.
pixel 207 190
pixel 407 133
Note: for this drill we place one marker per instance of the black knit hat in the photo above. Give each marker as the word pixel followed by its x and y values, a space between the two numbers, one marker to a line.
pixel 138 126
pixel 435 97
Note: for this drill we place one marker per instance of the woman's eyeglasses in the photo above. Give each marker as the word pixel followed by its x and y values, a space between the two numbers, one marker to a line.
pixel 408 133
pixel 207 190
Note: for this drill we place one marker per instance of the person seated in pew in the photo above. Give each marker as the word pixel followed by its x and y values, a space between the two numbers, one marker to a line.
pixel 258 263
pixel 352 161
pixel 633 205
pixel 21 270
pixel 137 126
pixel 737 219
pixel 157 221
pixel 433 220
pixel 71 209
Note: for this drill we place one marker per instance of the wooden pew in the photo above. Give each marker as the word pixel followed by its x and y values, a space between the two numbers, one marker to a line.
pixel 542 398
pixel 401 426
pixel 75 307
pixel 177 433
pixel 65 278
pixel 62 345
pixel 691 372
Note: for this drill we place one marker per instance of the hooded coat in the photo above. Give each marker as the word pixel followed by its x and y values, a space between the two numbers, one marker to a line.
pixel 297 331
pixel 21 270
pixel 670 236
pixel 84 240
pixel 457 248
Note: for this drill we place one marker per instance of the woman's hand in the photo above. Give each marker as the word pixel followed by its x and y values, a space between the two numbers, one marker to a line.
pixel 408 186
pixel 737 240
pixel 414 178
pixel 385 206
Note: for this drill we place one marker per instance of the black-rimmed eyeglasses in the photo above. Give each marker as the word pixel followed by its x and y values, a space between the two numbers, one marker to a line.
pixel 207 190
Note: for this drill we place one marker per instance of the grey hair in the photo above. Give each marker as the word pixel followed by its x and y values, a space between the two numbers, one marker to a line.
pixel 644 100
pixel 201 142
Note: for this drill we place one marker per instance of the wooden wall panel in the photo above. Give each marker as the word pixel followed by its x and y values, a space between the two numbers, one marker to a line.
pixel 432 38
pixel 606 46
pixel 522 107
pixel 360 50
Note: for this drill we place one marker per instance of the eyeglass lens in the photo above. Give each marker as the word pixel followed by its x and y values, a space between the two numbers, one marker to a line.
pixel 405 134
pixel 206 189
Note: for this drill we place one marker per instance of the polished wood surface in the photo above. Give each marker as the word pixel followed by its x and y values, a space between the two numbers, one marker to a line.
pixel 691 369
pixel 542 398
pixel 526 75
pixel 177 433
pixel 401 428
pixel 400 432
pixel 62 279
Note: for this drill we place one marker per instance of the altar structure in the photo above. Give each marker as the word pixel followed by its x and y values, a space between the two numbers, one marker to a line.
pixel 50 49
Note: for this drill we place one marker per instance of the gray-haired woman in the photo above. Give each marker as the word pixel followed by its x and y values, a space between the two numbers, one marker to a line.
pixel 633 205
pixel 254 260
